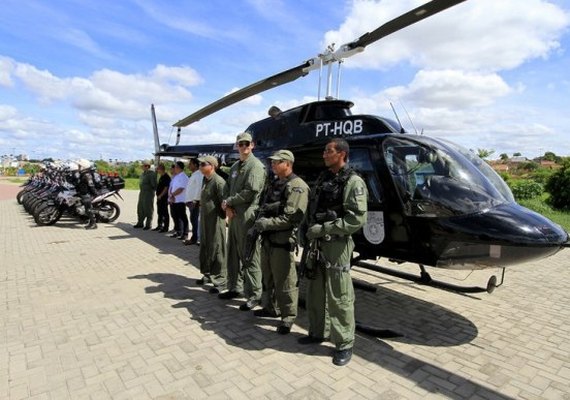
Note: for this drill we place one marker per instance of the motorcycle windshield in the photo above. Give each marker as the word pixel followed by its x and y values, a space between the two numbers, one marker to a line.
pixel 436 178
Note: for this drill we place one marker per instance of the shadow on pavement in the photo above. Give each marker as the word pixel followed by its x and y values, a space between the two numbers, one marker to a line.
pixel 422 323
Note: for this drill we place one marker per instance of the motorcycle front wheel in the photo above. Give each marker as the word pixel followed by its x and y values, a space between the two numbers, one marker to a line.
pixel 47 215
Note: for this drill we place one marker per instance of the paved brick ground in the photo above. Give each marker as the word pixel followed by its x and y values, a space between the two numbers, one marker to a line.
pixel 114 313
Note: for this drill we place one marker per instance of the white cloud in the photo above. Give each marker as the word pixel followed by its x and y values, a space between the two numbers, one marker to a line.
pixel 7 66
pixel 482 34
pixel 450 88
pixel 107 92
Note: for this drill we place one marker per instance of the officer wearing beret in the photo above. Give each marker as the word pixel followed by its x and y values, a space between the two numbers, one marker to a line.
pixel 283 210
pixel 242 192
pixel 340 210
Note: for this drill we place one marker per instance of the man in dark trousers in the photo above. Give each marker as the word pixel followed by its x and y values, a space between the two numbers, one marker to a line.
pixel 162 199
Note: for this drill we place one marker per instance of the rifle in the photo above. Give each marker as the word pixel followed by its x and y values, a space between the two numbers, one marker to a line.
pixel 265 211
pixel 309 249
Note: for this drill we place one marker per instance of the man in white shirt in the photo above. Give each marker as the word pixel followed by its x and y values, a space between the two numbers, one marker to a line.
pixel 193 191
pixel 176 198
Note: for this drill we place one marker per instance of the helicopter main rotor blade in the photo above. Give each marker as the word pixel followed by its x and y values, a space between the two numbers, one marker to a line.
pixel 403 21
pixel 346 50
pixel 248 91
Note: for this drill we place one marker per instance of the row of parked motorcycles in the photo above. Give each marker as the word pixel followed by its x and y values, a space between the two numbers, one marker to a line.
pixel 52 194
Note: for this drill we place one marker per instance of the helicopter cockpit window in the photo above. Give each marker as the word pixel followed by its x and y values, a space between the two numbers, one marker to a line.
pixel 433 179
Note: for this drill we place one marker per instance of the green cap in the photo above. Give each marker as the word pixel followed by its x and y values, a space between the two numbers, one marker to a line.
pixel 282 155
pixel 244 137
pixel 210 160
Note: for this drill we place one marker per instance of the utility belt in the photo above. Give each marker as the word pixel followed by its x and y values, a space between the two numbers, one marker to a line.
pixel 329 265
pixel 321 261
pixel 332 238
pixel 287 246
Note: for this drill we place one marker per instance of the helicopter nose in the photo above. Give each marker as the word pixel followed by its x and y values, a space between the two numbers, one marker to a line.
pixel 502 236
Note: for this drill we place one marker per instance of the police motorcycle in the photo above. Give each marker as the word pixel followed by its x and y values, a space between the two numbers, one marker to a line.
pixel 40 187
pixel 68 201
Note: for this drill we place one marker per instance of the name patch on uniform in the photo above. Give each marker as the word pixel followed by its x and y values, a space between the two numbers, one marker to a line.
pixel 359 191
pixel 297 189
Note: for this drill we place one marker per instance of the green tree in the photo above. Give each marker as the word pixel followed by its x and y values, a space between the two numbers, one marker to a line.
pixel 558 185
pixel 504 157
pixel 517 154
pixel 530 166
pixel 485 153
pixel 31 168
pixel 541 175
pixel 102 166
pixel 549 156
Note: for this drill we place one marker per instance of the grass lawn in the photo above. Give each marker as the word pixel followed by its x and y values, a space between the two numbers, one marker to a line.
pixel 131 183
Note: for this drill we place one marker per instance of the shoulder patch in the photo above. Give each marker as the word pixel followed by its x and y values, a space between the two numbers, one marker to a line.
pixel 298 189
pixel 359 191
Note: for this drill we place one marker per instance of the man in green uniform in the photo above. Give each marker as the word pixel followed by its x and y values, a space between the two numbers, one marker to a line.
pixel 212 226
pixel 339 211
pixel 283 210
pixel 242 193
pixel 145 206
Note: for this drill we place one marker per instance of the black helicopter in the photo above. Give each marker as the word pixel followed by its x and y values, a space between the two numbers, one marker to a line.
pixel 431 202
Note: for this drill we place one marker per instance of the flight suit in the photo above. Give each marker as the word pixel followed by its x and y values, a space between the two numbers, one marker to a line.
pixel 330 295
pixel 242 193
pixel 280 291
pixel 145 205
pixel 213 231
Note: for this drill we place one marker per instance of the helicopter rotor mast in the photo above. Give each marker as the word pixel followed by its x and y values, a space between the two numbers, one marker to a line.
pixel 329 56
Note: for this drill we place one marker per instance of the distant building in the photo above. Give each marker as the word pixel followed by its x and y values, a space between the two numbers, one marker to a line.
pixel 518 160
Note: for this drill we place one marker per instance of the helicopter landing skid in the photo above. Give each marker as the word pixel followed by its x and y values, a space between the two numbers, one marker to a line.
pixel 425 279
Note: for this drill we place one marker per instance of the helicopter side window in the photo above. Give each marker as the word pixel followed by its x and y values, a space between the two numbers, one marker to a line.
pixel 360 160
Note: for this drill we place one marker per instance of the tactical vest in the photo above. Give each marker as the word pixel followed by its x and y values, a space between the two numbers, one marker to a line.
pixel 276 194
pixel 330 192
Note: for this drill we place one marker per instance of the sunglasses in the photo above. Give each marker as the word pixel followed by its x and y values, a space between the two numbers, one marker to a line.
pixel 276 161
pixel 204 164
pixel 243 144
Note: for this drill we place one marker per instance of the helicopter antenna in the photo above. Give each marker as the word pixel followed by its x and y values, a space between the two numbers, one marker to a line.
pixel 411 122
pixel 398 118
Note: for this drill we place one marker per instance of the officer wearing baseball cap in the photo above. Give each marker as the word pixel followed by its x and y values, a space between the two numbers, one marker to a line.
pixel 283 210
pixel 243 190
pixel 212 226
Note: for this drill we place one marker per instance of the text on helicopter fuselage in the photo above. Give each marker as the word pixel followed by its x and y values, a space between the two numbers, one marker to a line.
pixel 336 128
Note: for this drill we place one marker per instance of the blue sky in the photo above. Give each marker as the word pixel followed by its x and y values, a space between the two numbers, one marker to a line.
pixel 77 77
